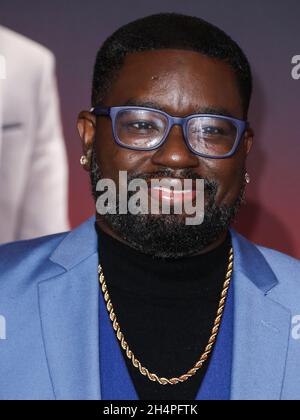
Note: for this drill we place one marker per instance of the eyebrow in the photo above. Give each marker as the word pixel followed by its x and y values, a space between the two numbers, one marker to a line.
pixel 198 109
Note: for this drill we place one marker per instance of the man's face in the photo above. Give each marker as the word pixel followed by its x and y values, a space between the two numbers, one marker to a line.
pixel 180 83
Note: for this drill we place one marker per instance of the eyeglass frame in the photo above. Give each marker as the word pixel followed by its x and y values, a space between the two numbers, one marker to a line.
pixel 112 112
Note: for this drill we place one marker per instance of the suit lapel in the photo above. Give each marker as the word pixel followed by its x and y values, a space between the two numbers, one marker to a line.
pixel 261 328
pixel 69 309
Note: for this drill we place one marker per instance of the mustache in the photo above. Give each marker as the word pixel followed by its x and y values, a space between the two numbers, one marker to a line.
pixel 211 186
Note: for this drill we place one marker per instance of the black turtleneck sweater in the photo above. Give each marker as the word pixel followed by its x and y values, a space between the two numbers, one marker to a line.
pixel 166 309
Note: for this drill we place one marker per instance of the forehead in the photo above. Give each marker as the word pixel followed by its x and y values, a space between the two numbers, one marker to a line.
pixel 178 81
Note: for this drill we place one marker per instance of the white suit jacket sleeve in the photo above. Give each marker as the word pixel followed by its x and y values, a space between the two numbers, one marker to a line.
pixel 44 205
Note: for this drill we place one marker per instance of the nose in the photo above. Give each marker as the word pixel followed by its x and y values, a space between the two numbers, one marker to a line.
pixel 174 152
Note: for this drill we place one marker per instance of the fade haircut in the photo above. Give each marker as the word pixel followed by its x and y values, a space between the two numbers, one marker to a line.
pixel 169 31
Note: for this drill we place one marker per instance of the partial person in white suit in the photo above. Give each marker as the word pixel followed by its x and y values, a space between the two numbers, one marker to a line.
pixel 33 161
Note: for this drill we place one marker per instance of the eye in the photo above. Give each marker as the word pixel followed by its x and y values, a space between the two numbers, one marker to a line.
pixel 211 131
pixel 216 131
pixel 142 125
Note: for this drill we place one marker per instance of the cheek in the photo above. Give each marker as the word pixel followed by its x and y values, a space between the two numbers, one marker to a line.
pixel 113 158
pixel 229 174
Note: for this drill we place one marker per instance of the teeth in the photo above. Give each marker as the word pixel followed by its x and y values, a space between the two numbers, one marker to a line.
pixel 168 190
pixel 166 183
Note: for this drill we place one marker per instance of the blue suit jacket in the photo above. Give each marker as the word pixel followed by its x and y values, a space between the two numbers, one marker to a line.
pixel 49 306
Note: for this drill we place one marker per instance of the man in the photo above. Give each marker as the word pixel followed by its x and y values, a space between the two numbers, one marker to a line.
pixel 183 311
pixel 33 162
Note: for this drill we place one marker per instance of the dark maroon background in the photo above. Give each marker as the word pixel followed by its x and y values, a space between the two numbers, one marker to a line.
pixel 268 31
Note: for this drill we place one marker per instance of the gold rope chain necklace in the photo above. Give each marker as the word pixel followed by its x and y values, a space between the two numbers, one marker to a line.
pixel 137 364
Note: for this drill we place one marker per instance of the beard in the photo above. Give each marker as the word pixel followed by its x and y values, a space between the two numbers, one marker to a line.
pixel 167 235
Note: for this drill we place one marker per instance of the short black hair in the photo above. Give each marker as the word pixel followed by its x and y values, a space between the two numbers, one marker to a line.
pixel 169 31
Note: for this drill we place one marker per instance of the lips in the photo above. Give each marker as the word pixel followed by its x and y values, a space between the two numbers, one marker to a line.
pixel 173 191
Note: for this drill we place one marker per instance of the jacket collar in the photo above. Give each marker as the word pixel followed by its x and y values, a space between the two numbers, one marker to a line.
pixel 82 242
pixel 77 246
pixel 252 264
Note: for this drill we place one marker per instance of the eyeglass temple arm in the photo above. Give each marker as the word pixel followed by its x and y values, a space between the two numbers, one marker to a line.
pixel 98 110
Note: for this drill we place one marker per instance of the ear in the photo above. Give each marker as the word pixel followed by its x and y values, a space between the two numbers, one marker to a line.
pixel 248 140
pixel 86 126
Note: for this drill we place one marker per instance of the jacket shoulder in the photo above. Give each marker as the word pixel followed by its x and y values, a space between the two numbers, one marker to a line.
pixel 12 41
pixel 25 263
pixel 279 261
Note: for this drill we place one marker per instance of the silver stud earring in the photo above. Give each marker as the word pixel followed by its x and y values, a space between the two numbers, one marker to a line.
pixel 247 178
pixel 84 160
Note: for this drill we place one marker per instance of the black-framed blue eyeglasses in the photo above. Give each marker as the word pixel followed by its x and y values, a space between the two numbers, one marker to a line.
pixel 146 129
